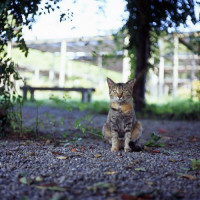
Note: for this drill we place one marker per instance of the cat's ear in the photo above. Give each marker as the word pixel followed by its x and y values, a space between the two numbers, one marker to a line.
pixel 110 82
pixel 131 82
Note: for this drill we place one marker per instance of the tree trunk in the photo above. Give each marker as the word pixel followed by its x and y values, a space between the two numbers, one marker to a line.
pixel 142 53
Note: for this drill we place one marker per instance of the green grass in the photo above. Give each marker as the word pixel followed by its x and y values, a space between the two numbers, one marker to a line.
pixel 174 110
pixel 82 74
pixel 183 109
pixel 47 61
pixel 97 107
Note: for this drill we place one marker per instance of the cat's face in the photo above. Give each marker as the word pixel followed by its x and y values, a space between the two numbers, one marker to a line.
pixel 120 92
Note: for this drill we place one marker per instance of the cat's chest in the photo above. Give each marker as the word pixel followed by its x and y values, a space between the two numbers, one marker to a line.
pixel 121 121
pixel 121 109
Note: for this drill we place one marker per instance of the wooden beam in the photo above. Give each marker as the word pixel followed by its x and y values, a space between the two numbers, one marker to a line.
pixel 188 45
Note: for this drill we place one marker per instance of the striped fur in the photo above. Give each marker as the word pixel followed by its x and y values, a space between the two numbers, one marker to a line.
pixel 121 126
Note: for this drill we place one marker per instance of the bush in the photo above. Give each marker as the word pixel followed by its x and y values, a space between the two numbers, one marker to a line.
pixel 174 110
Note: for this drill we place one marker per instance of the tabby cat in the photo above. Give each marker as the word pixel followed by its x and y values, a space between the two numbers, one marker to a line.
pixel 121 128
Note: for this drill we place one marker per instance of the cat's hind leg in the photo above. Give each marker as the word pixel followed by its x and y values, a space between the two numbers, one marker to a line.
pixel 136 132
pixel 132 136
pixel 135 136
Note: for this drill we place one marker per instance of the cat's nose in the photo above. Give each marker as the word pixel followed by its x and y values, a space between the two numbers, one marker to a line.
pixel 120 95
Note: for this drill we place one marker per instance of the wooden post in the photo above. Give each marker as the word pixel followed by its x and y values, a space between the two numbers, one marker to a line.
pixel 32 94
pixel 89 96
pixel 51 74
pixel 161 68
pixel 37 74
pixel 175 67
pixel 84 96
pixel 63 50
pixel 25 90
pixel 126 63
pixel 99 61
pixel 54 66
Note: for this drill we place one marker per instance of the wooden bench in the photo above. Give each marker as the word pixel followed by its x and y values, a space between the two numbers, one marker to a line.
pixel 86 92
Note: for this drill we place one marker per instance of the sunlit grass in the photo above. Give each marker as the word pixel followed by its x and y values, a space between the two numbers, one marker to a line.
pixel 81 73
pixel 100 107
pixel 185 109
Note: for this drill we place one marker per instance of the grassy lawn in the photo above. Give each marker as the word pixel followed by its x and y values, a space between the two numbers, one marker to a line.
pixel 46 61
pixel 173 110
pixel 83 74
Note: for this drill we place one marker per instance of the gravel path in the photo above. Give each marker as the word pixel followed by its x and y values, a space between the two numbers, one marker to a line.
pixel 89 171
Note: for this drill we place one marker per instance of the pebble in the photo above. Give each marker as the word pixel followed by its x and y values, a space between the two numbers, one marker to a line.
pixel 76 174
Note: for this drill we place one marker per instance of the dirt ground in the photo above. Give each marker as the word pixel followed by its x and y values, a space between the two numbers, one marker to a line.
pixel 87 170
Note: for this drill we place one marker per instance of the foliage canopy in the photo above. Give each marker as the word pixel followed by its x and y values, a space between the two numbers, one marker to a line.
pixel 13 16
pixel 147 19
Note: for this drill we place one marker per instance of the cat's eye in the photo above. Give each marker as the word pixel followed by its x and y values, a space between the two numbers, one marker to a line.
pixel 125 90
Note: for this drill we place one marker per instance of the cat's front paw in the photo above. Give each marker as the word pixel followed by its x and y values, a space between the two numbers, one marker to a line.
pixel 127 149
pixel 114 149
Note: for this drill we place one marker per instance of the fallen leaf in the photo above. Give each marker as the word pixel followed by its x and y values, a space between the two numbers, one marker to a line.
pixel 193 138
pixel 39 178
pixel 102 185
pixel 62 157
pixel 25 180
pixel 142 169
pixel 134 162
pixel 168 152
pixel 24 157
pixel 160 130
pixel 57 153
pixel 111 189
pixel 119 154
pixel 129 167
pixel 48 142
pixel 190 177
pixel 31 153
pixel 172 160
pixel 97 155
pixel 74 150
pixel 149 183
pixel 110 173
pixel 185 168
pixel 195 164
pixel 54 188
pixel 156 151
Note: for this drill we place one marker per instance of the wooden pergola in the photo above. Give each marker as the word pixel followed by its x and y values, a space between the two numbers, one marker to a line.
pixel 87 46
pixel 176 58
